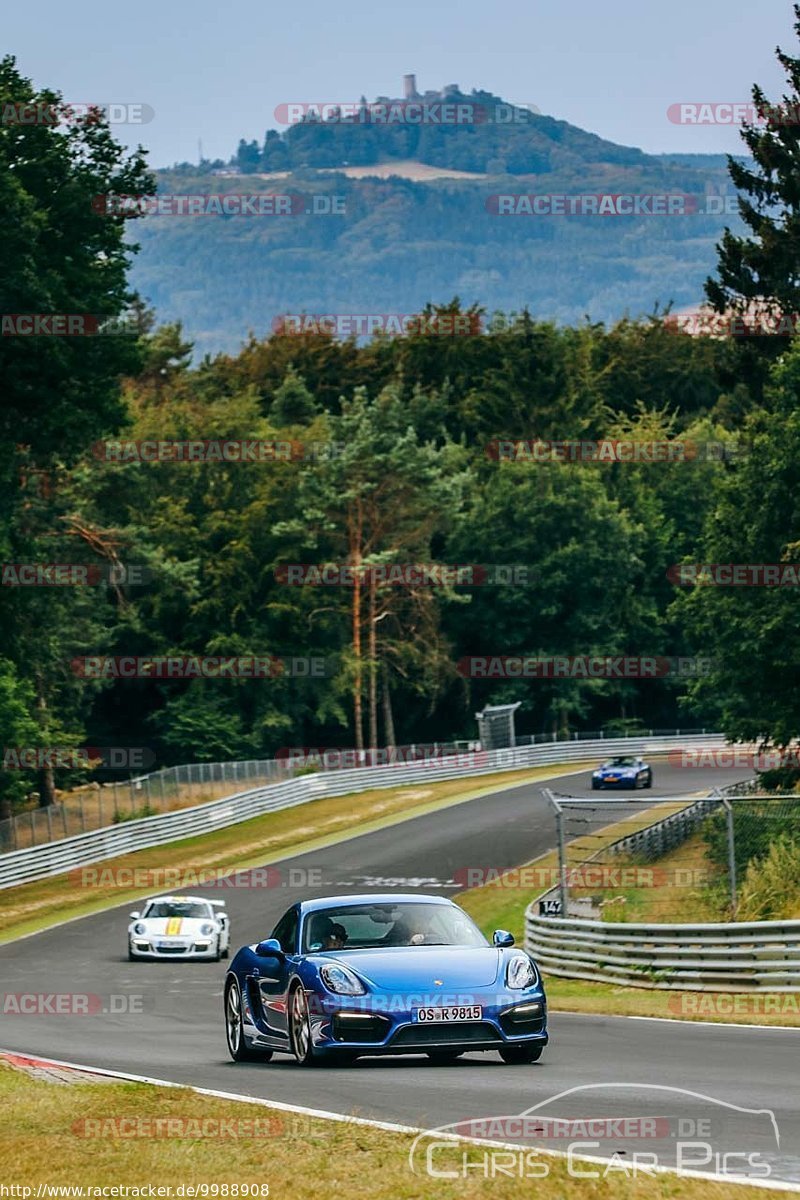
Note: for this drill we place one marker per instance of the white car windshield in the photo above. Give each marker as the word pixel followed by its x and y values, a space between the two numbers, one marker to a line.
pixel 374 926
pixel 178 908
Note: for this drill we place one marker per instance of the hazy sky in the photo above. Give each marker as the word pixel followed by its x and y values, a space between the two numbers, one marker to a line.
pixel 217 71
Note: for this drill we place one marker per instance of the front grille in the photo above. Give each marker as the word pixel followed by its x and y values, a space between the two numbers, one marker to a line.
pixel 438 1034
pixel 172 950
pixel 513 1023
pixel 359 1027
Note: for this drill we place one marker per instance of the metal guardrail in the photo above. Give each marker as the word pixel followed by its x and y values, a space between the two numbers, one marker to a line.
pixel 53 858
pixel 734 956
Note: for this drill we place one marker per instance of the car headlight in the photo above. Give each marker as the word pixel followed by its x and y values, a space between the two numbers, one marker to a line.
pixel 206 930
pixel 139 928
pixel 520 972
pixel 339 979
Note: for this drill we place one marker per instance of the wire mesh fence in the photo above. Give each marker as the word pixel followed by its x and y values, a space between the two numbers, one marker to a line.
pixel 99 805
pixel 731 856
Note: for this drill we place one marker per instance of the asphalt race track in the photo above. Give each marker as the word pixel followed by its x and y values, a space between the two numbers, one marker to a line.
pixel 173 1026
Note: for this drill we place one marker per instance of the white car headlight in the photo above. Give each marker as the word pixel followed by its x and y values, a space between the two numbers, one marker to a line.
pixel 206 930
pixel 339 979
pixel 139 928
pixel 520 972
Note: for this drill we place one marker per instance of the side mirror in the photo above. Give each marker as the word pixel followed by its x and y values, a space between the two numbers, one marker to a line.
pixel 134 916
pixel 271 948
pixel 501 937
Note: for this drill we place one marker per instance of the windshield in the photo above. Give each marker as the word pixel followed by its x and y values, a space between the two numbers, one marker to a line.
pixel 178 908
pixel 373 926
pixel 622 761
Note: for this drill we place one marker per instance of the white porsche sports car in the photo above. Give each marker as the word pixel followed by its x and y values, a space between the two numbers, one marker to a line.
pixel 180 927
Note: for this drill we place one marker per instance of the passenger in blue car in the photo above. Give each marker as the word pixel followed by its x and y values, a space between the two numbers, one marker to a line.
pixel 407 932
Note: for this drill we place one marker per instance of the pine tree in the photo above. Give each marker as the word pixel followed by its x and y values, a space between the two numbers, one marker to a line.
pixel 762 269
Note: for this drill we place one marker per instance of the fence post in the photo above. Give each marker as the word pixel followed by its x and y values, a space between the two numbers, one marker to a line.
pixel 83 814
pixel 49 823
pixel 731 854
pixel 161 786
pixel 562 858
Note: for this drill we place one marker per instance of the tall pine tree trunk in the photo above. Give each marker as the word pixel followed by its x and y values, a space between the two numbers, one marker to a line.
pixel 355 558
pixel 388 716
pixel 47 789
pixel 372 650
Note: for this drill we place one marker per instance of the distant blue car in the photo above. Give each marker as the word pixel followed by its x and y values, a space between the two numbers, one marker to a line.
pixel 624 771
pixel 348 976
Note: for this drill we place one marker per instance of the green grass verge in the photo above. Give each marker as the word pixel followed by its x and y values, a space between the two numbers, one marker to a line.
pixel 135 1135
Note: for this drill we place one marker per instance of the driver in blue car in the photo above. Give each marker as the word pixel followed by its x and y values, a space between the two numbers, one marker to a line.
pixel 336 938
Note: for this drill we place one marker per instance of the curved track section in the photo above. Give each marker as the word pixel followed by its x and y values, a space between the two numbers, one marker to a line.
pixel 164 1019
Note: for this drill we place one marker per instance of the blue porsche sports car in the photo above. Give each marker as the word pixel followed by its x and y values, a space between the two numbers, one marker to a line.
pixel 624 771
pixel 347 976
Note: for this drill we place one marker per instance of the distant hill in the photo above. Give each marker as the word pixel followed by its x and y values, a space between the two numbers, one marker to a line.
pixel 411 238
pixel 475 132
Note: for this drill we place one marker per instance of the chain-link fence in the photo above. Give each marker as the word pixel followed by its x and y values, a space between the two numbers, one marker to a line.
pixel 726 856
pixel 98 805
pixel 623 859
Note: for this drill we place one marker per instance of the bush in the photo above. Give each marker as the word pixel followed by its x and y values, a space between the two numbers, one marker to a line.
pixel 146 810
pixel 770 890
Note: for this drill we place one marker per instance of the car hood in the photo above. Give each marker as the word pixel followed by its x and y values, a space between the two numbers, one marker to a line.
pixel 174 926
pixel 418 966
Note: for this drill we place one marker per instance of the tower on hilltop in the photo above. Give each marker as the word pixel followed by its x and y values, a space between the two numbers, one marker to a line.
pixel 410 87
